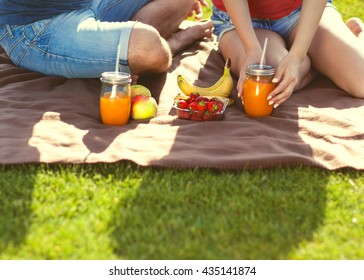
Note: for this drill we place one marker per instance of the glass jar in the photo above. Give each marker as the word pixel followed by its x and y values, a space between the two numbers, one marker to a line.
pixel 115 98
pixel 258 84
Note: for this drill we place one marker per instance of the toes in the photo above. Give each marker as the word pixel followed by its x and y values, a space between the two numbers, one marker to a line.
pixel 356 25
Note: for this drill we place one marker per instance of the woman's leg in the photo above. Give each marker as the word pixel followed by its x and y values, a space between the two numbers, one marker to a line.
pixel 337 53
pixel 231 47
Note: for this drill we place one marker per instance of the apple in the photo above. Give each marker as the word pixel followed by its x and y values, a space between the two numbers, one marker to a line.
pixel 143 107
pixel 139 90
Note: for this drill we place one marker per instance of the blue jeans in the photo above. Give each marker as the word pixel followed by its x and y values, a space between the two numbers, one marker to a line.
pixel 79 44
pixel 282 26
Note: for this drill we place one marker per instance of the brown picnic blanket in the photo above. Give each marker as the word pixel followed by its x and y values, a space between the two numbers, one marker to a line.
pixel 56 120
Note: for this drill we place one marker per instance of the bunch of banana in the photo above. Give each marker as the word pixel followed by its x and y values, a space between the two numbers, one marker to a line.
pixel 222 87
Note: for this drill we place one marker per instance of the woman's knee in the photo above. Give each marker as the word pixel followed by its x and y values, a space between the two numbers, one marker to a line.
pixel 356 88
pixel 277 48
pixel 148 51
pixel 350 80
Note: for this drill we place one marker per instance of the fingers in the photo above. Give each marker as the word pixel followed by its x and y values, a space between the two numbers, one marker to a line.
pixel 282 92
pixel 278 75
pixel 240 84
pixel 277 99
pixel 286 79
pixel 239 88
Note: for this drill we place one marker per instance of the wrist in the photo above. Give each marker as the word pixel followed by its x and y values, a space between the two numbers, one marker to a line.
pixel 298 54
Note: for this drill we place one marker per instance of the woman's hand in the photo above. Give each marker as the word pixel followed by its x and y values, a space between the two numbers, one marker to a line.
pixel 287 78
pixel 287 75
pixel 251 58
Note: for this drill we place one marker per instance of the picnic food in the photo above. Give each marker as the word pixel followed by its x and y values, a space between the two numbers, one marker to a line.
pixel 139 90
pixel 230 101
pixel 200 108
pixel 143 107
pixel 115 110
pixel 222 87
pixel 258 84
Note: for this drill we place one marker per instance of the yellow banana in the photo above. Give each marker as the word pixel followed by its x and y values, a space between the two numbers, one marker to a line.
pixel 222 87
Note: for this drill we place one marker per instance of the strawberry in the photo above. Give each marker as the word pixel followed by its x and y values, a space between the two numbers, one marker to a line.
pixel 207 116
pixel 182 104
pixel 201 108
pixel 183 114
pixel 220 105
pixel 192 106
pixel 196 118
pixel 188 100
pixel 194 95
pixel 202 98
pixel 212 106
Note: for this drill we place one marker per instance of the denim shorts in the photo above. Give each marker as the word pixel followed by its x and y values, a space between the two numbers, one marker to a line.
pixel 79 44
pixel 283 26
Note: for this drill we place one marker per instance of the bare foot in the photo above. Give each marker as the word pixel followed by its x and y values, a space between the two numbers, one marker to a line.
pixel 190 33
pixel 356 26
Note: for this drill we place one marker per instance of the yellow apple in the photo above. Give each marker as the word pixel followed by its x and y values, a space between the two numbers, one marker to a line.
pixel 143 107
pixel 139 90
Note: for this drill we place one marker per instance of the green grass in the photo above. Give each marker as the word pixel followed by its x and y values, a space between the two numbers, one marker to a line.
pixel 349 8
pixel 124 211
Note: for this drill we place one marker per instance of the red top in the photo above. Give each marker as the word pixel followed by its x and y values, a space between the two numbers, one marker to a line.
pixel 269 9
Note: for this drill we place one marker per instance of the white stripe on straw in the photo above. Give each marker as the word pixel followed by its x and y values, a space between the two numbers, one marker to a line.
pixel 113 91
pixel 263 53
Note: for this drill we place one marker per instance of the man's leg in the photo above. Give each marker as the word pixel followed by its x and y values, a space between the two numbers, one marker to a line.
pixel 166 16
pixel 94 45
pixel 148 52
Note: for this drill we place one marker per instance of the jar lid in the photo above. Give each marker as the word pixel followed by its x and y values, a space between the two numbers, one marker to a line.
pixel 116 77
pixel 260 70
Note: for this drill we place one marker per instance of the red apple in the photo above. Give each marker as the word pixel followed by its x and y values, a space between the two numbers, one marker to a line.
pixel 143 107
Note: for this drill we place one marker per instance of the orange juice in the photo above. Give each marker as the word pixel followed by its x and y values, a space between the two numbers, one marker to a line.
pixel 116 110
pixel 258 84
pixel 115 100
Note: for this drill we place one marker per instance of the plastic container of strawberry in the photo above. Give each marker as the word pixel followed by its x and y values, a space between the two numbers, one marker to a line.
pixel 200 108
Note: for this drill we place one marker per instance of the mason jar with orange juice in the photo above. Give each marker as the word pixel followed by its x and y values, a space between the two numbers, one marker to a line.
pixel 258 84
pixel 115 98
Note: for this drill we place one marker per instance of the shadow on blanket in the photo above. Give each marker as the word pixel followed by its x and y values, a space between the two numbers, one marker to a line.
pixel 56 120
